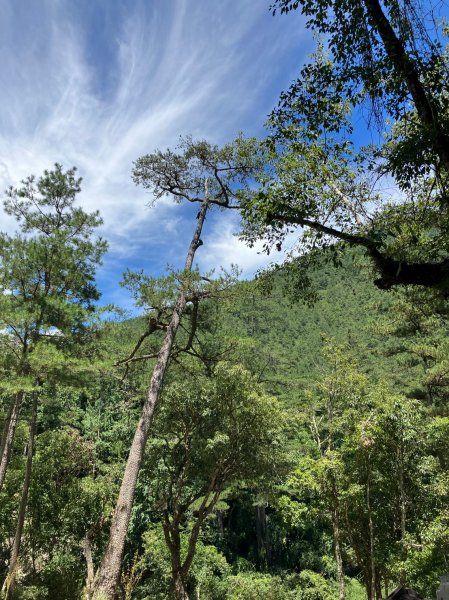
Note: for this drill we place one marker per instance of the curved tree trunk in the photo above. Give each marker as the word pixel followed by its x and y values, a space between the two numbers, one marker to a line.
pixel 9 430
pixel 406 68
pixel 13 563
pixel 108 575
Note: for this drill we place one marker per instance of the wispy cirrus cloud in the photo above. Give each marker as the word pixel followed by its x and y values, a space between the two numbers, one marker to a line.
pixel 98 86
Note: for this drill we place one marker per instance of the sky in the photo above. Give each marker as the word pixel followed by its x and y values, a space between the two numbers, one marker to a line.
pixel 98 83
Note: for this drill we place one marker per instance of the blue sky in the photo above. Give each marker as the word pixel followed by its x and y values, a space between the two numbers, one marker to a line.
pixel 97 84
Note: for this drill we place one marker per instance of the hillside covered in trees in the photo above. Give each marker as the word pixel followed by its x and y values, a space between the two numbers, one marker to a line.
pixel 333 415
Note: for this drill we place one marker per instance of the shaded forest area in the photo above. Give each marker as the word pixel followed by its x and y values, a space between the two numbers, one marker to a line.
pixel 282 438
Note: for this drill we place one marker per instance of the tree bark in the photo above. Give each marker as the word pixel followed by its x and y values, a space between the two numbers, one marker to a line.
pixel 338 558
pixel 373 574
pixel 357 545
pixel 108 576
pixel 220 522
pixel 8 585
pixel 178 571
pixel 406 68
pixel 87 549
pixel 261 536
pixel 392 272
pixel 9 430
pixel 6 426
pixel 403 511
pixel 337 542
pixel 179 587
pixel 395 272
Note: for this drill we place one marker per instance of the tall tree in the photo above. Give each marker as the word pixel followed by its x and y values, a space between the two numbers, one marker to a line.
pixel 8 585
pixel 199 173
pixel 108 575
pixel 330 413
pixel 47 279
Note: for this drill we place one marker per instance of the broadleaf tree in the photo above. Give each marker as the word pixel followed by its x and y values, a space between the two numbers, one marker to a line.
pixel 381 67
pixel 210 433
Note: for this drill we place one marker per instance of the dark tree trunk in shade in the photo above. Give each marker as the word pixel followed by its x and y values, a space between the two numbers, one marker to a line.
pixel 337 541
pixel 261 536
pixel 13 563
pixel 108 576
pixel 9 430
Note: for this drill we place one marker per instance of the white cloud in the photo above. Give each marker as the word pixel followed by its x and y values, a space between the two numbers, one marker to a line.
pixel 223 248
pixel 171 68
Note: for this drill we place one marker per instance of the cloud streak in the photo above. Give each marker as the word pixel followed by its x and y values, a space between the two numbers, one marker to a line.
pixel 97 88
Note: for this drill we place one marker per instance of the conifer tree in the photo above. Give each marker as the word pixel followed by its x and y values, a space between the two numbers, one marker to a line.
pixel 47 282
pixel 210 176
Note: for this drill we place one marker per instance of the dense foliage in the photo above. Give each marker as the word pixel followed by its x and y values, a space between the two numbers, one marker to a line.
pixel 291 441
pixel 370 110
pixel 362 445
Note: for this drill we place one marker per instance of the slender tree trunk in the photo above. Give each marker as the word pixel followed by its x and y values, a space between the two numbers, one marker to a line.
pixel 261 535
pixel 87 549
pixel 338 558
pixel 403 511
pixel 337 543
pixel 13 563
pixel 108 576
pixel 9 430
pixel 220 522
pixel 178 571
pixel 373 586
pixel 5 429
pixel 378 586
pixel 356 545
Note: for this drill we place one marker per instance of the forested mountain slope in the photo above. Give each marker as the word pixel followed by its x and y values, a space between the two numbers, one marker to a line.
pixel 289 333
pixel 340 487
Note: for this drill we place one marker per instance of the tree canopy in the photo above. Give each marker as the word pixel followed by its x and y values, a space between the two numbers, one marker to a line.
pixel 383 61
